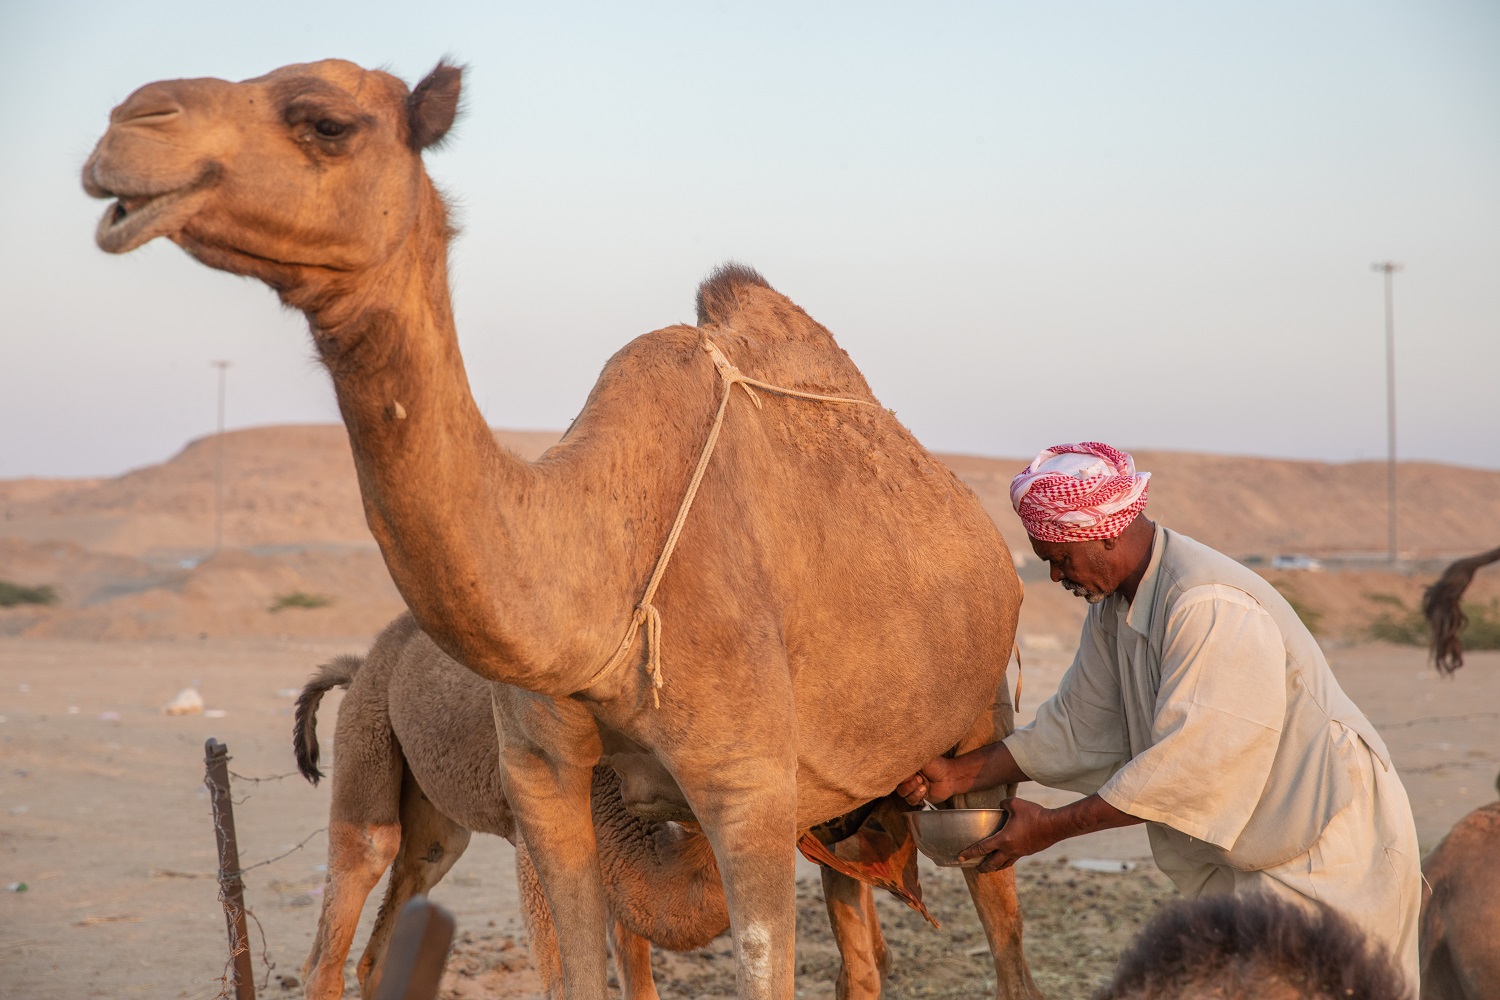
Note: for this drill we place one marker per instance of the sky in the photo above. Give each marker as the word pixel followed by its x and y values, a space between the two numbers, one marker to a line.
pixel 1029 223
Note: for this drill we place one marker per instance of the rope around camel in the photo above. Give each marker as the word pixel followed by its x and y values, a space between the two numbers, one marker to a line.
pixel 645 613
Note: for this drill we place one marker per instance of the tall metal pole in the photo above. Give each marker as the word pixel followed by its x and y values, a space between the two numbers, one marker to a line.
pixel 1389 269
pixel 223 367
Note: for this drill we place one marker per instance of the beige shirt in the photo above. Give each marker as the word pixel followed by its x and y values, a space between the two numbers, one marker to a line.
pixel 1206 708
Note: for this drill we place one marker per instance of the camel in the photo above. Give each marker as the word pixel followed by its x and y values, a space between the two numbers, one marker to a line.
pixel 1459 949
pixel 1445 614
pixel 837 609
pixel 416 771
pixel 1257 947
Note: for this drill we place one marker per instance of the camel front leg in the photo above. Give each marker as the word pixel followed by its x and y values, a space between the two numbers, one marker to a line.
pixel 864 961
pixel 548 750
pixel 748 811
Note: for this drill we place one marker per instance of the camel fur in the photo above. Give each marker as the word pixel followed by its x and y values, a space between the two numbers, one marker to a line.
pixel 839 608
pixel 1459 934
pixel 1257 947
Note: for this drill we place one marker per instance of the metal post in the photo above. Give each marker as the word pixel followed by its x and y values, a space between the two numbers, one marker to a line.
pixel 231 887
pixel 223 367
pixel 1389 268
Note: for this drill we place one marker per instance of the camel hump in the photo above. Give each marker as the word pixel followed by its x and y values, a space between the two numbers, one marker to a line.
pixel 722 293
pixel 337 672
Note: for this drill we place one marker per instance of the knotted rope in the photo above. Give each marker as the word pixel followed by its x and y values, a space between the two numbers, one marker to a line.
pixel 645 613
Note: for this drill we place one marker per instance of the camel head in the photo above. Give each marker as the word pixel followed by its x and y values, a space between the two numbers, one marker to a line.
pixel 310 168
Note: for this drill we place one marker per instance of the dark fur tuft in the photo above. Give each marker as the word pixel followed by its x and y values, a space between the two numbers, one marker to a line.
pixel 1244 943
pixel 1442 604
pixel 719 294
pixel 432 106
pixel 338 672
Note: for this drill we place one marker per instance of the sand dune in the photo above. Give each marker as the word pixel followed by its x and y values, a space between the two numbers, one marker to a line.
pixel 133 556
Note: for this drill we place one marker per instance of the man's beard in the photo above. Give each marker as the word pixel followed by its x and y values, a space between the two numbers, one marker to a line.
pixel 1079 590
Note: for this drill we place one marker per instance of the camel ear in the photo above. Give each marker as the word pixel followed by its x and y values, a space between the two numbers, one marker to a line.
pixel 432 106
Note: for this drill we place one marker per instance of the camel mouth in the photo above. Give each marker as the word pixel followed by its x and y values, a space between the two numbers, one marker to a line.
pixel 138 218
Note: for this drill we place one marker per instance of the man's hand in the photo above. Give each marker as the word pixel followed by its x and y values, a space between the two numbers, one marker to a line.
pixel 935 783
pixel 1029 829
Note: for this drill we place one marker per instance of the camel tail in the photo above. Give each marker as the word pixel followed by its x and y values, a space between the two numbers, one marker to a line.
pixel 719 297
pixel 1442 605
pixel 338 672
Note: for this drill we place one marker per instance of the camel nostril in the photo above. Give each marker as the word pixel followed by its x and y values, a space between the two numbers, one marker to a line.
pixel 148 106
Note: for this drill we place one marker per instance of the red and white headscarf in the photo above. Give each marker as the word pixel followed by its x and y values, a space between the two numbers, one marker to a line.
pixel 1076 492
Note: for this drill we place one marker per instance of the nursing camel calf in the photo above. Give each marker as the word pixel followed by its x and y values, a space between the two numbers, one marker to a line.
pixel 416 771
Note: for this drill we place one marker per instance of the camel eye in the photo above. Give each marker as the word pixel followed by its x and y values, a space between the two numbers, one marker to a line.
pixel 330 129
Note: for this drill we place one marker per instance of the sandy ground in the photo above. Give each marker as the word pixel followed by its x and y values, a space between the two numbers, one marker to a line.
pixel 104 817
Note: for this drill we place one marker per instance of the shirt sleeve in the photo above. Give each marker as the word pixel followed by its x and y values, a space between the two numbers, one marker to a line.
pixel 1078 738
pixel 1219 713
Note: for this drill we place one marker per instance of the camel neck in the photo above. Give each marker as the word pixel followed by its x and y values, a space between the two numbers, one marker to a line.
pixel 519 586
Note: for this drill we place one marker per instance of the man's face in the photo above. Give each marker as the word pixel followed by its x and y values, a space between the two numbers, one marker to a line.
pixel 1085 569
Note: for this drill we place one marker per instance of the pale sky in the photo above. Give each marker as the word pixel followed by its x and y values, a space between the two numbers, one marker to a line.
pixel 1028 223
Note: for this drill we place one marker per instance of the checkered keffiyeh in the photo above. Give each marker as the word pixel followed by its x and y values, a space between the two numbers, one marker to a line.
pixel 1075 492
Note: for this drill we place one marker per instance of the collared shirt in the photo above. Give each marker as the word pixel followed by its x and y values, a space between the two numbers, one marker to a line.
pixel 1206 708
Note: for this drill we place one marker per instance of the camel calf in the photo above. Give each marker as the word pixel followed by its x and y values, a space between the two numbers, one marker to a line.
pixel 416 771
pixel 1460 929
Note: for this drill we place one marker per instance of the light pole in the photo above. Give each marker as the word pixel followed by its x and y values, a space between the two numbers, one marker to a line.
pixel 1389 269
pixel 223 367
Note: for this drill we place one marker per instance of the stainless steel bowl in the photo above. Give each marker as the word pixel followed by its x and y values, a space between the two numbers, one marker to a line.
pixel 942 834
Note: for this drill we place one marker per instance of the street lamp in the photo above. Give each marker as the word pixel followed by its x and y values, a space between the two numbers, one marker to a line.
pixel 1389 269
pixel 223 367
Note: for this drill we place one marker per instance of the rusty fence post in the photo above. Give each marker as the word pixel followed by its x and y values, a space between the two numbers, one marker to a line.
pixel 418 951
pixel 231 886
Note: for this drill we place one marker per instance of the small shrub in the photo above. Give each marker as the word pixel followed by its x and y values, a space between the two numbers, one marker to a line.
pixel 14 594
pixel 1397 623
pixel 300 599
pixel 1406 626
pixel 1483 630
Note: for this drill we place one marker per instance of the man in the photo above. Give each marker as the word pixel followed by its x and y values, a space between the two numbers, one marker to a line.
pixel 1199 704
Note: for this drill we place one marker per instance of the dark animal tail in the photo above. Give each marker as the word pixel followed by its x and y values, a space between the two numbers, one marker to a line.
pixel 338 672
pixel 719 295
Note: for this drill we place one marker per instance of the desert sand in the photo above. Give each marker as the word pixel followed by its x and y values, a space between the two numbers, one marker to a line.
pixel 105 821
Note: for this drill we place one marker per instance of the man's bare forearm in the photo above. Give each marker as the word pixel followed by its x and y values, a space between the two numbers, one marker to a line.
pixel 987 767
pixel 1087 815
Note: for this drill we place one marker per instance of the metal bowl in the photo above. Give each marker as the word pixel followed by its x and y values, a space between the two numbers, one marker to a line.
pixel 942 834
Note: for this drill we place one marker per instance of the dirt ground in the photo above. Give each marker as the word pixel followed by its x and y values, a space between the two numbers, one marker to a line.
pixel 105 820
pixel 107 861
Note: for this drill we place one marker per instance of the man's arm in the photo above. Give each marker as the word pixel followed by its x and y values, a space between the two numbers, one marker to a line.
pixel 1032 828
pixel 944 777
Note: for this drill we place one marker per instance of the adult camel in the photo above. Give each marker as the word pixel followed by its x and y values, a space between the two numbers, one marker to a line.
pixel 839 607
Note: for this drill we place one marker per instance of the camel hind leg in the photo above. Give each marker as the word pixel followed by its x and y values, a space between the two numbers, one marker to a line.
pixel 364 836
pixel 358 854
pixel 430 845
pixel 994 893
